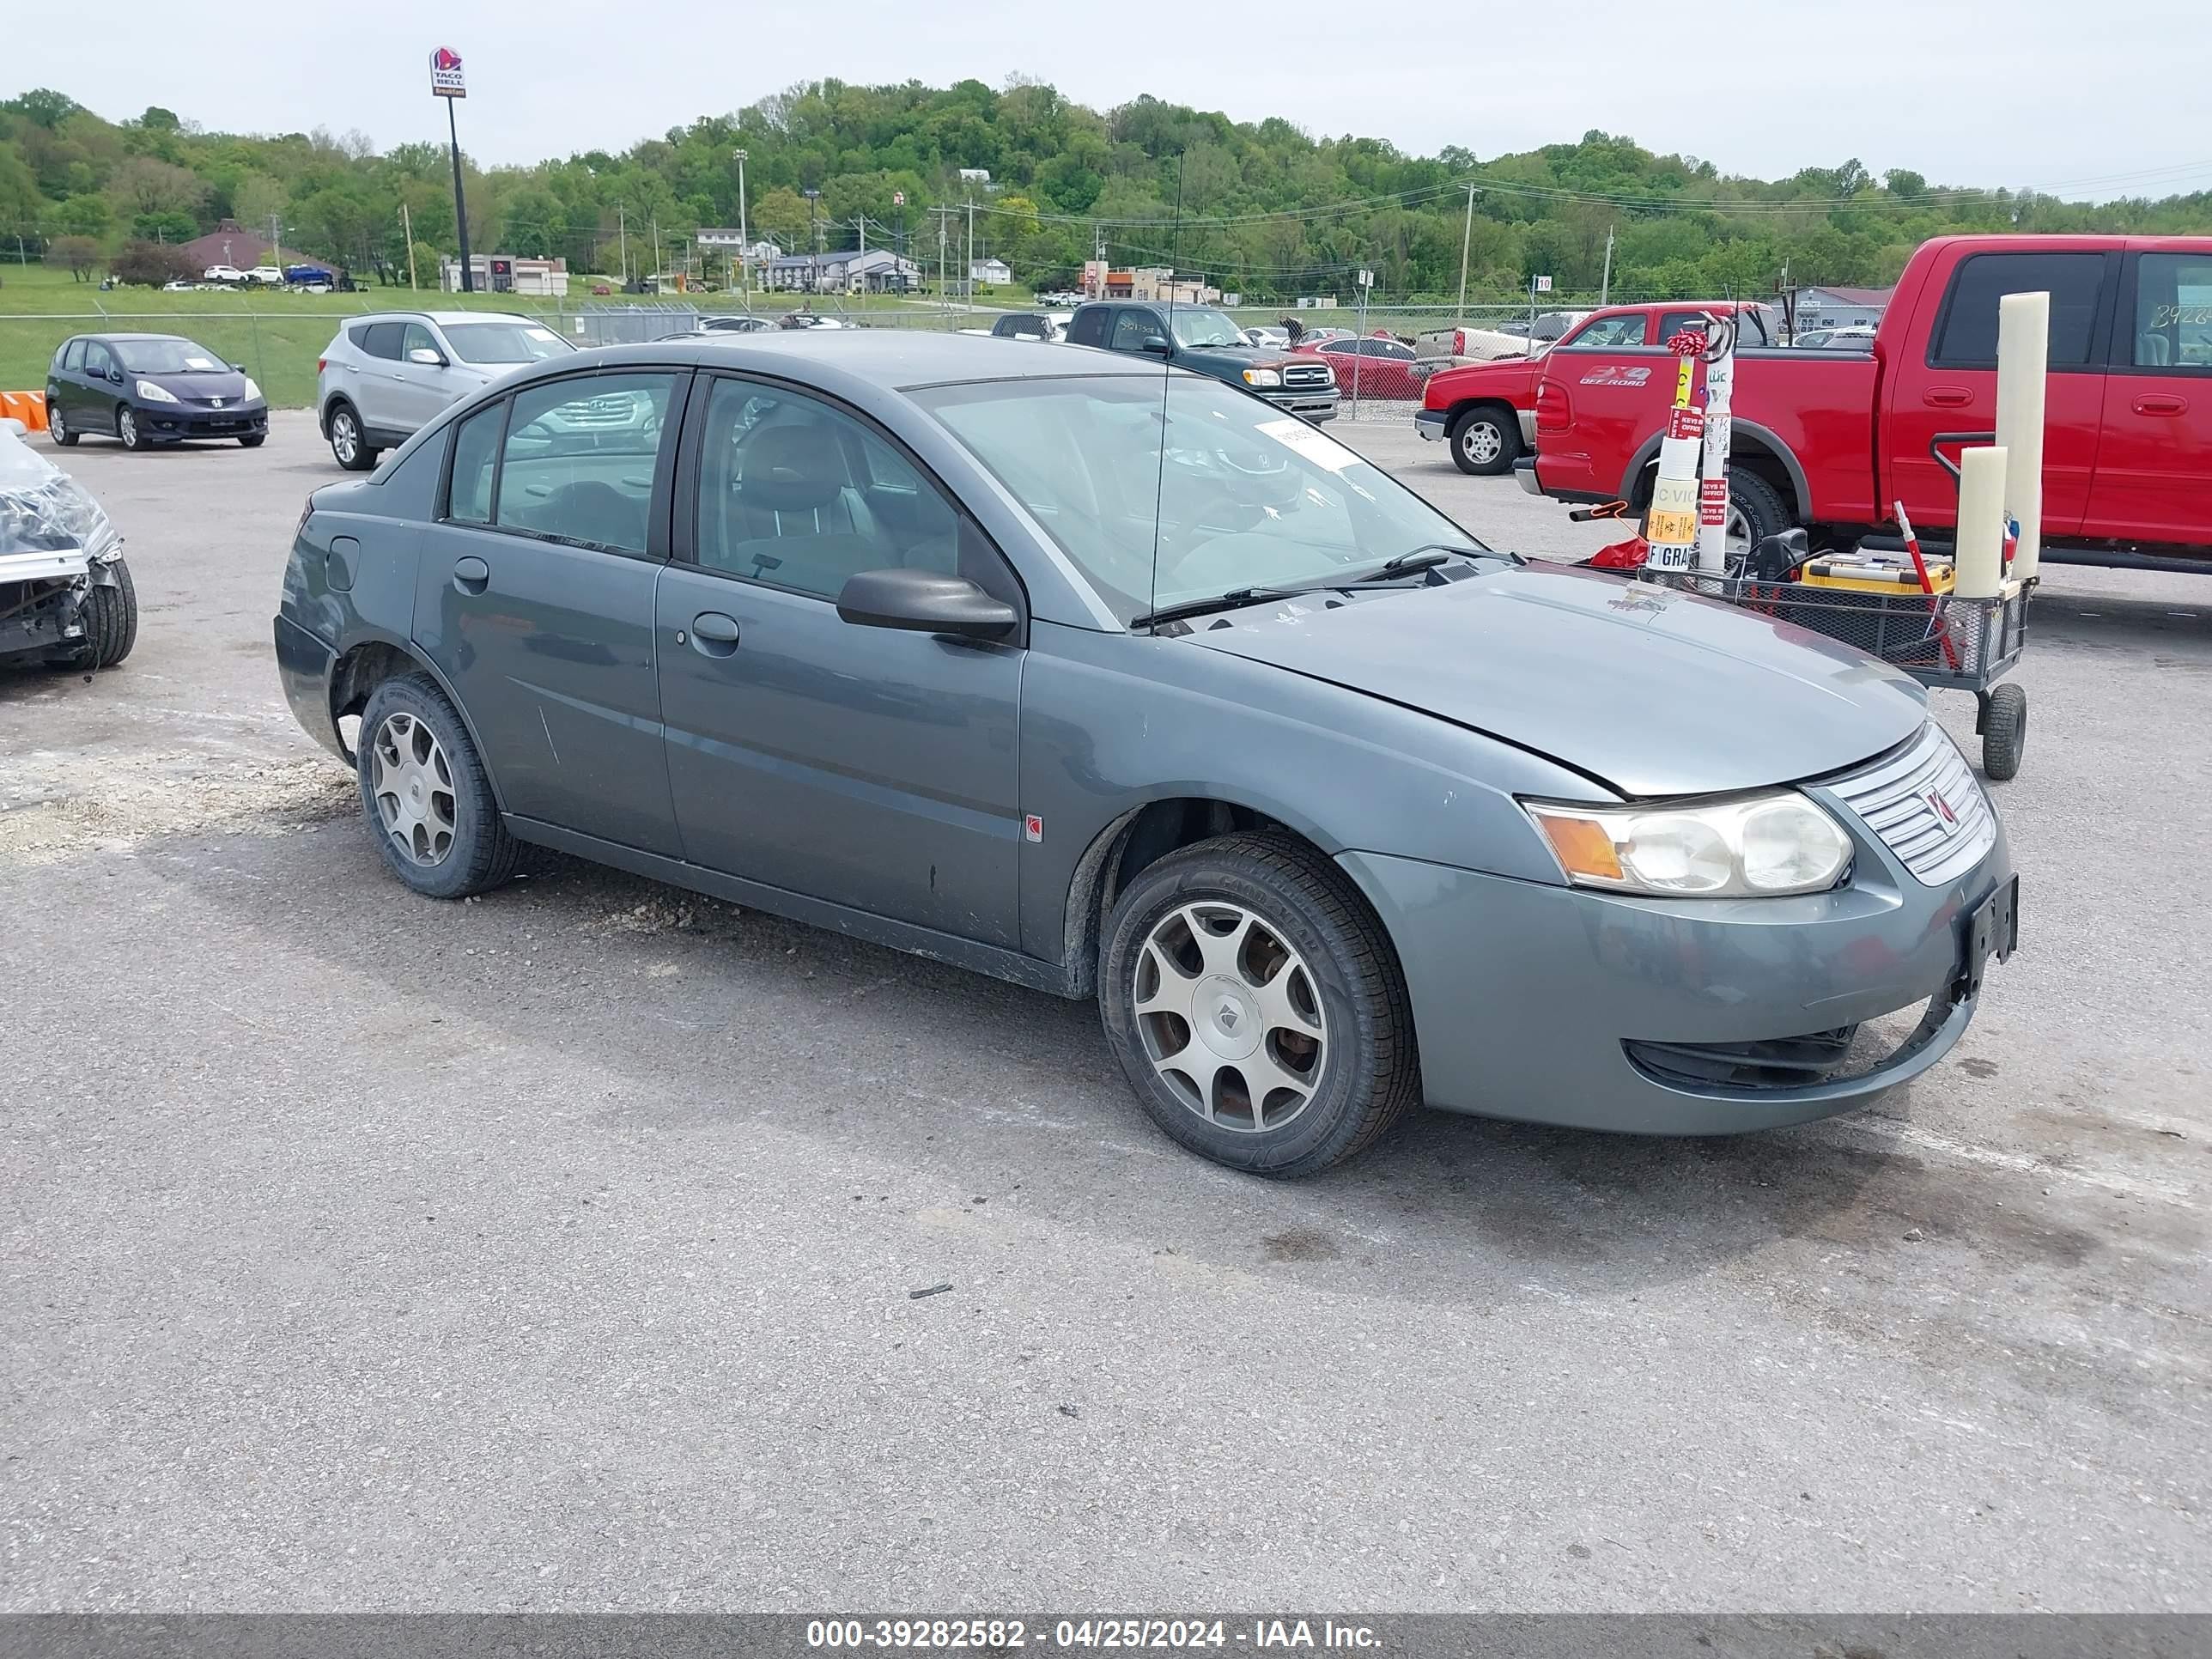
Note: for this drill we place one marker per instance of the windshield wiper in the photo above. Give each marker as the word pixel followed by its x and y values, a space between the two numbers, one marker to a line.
pixel 1229 601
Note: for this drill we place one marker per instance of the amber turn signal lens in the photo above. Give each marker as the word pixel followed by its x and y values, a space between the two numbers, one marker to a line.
pixel 1584 848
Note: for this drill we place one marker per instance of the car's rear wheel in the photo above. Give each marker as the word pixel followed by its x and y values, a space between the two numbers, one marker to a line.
pixel 1484 441
pixel 348 442
pixel 428 803
pixel 58 427
pixel 127 428
pixel 1256 1007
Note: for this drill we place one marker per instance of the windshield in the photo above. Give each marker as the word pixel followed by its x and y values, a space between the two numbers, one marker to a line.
pixel 1248 496
pixel 504 343
pixel 169 357
pixel 1202 325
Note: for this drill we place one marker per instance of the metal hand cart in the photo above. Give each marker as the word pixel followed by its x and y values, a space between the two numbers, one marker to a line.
pixel 1946 642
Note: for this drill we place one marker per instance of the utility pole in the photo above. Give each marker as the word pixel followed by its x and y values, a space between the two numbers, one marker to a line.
pixel 1604 286
pixel 969 290
pixel 277 241
pixel 1466 241
pixel 740 158
pixel 656 252
pixel 944 293
pixel 1098 238
pixel 814 235
pixel 407 229
pixel 622 236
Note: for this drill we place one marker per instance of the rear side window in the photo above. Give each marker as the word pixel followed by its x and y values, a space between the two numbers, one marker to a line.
pixel 73 354
pixel 1133 328
pixel 475 461
pixel 579 459
pixel 1968 332
pixel 1088 328
pixel 380 339
pixel 2173 312
pixel 1626 330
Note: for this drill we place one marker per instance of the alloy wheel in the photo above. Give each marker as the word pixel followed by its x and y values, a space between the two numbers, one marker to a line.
pixel 1230 1016
pixel 414 789
pixel 127 428
pixel 1481 441
pixel 57 424
pixel 345 438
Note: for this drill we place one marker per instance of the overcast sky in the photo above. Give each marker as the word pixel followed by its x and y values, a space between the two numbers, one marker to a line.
pixel 2070 97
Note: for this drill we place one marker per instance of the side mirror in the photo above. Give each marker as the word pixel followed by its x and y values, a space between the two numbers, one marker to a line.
pixel 1156 344
pixel 426 357
pixel 923 602
pixel 237 368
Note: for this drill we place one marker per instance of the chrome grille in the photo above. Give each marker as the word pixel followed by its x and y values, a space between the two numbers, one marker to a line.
pixel 1307 376
pixel 1903 801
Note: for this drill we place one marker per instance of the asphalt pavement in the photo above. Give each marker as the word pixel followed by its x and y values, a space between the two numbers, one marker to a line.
pixel 555 1250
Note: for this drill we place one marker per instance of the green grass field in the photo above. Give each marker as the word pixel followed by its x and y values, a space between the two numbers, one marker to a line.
pixel 278 335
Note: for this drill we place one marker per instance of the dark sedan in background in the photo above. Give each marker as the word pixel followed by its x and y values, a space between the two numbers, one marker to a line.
pixel 1109 678
pixel 147 389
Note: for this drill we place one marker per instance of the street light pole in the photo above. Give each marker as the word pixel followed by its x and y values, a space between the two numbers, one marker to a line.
pixel 814 228
pixel 1465 239
pixel 460 202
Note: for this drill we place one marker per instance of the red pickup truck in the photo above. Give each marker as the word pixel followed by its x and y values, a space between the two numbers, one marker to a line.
pixel 1487 411
pixel 1829 439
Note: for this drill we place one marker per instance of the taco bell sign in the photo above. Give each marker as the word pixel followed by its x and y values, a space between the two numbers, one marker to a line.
pixel 445 80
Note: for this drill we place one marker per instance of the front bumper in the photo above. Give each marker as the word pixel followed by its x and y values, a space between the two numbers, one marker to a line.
pixel 1525 996
pixel 1307 405
pixel 1430 423
pixel 167 421
pixel 1524 474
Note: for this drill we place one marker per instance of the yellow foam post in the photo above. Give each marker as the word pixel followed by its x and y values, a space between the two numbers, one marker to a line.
pixel 1981 522
pixel 2023 367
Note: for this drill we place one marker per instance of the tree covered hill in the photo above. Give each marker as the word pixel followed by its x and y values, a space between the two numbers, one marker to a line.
pixel 1265 208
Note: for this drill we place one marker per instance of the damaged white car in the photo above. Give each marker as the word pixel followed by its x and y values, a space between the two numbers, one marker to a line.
pixel 66 597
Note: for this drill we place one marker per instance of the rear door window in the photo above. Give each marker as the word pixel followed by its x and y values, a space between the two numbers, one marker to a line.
pixel 580 458
pixel 380 339
pixel 1967 333
pixel 73 354
pixel 1133 328
pixel 2173 314
pixel 476 466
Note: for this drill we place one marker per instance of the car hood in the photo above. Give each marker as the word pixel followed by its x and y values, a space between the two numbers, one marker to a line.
pixel 1651 691
pixel 200 386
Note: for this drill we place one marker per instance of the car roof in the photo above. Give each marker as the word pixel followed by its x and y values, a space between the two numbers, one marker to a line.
pixel 443 317
pixel 893 358
pixel 116 339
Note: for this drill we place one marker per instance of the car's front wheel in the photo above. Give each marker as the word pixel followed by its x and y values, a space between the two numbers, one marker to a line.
pixel 110 615
pixel 1484 441
pixel 1257 1007
pixel 348 442
pixel 127 428
pixel 428 803
pixel 252 440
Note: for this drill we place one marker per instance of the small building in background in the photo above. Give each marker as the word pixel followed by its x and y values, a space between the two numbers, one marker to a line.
pixel 229 243
pixel 873 270
pixel 1831 306
pixel 507 273
pixel 993 273
pixel 1160 283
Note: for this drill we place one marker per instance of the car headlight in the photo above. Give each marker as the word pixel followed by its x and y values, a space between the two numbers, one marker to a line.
pixel 150 393
pixel 252 389
pixel 1262 377
pixel 1757 846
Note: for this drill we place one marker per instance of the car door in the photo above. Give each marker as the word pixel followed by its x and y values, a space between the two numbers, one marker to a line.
pixel 422 387
pixel 2156 455
pixel 99 396
pixel 871 768
pixel 1951 386
pixel 535 599
pixel 373 383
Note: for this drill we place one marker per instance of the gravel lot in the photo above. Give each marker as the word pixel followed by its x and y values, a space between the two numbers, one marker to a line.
pixel 554 1251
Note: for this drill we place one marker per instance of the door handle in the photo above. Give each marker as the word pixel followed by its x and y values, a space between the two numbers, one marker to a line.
pixel 2159 403
pixel 471 575
pixel 1947 397
pixel 714 634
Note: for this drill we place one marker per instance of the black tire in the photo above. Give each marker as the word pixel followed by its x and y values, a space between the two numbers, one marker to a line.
pixel 1764 511
pixel 482 854
pixel 349 444
pixel 58 427
pixel 1369 1074
pixel 127 428
pixel 2004 732
pixel 110 621
pixel 1485 441
pixel 253 440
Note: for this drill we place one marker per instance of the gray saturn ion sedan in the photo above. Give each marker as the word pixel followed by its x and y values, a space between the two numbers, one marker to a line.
pixel 1113 680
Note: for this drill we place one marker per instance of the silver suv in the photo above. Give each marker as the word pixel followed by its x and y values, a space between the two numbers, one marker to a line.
pixel 386 374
